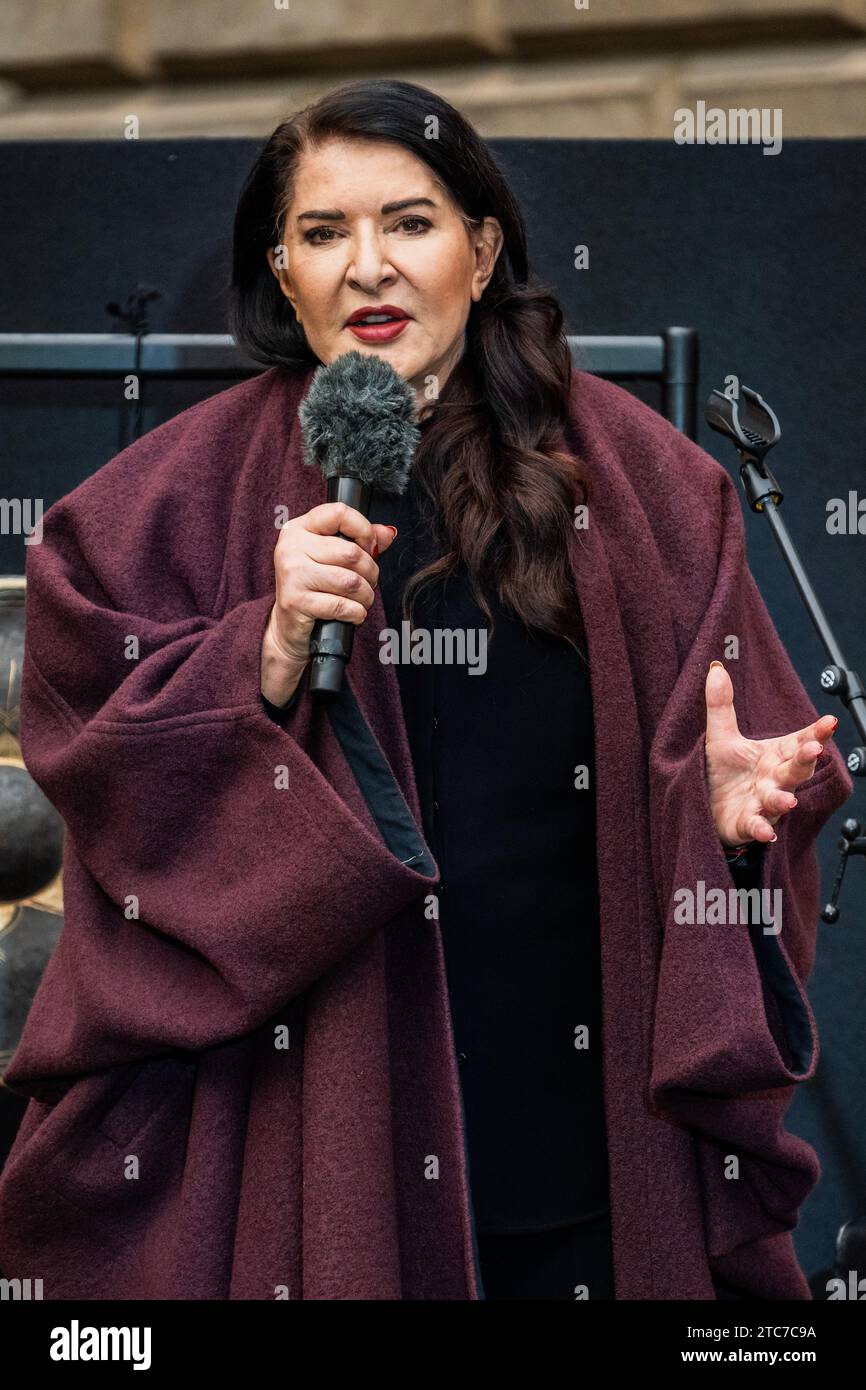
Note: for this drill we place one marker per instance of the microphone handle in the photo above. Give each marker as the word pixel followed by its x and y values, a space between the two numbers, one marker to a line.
pixel 331 639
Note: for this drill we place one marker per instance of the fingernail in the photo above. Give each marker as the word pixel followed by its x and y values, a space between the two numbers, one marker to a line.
pixel 716 663
pixel 393 528
pixel 835 721
pixel 774 839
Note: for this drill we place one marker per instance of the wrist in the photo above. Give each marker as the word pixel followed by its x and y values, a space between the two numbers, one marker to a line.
pixel 735 851
pixel 281 670
pixel 278 648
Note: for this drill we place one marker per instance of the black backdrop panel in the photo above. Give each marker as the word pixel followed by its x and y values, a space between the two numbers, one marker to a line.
pixel 763 255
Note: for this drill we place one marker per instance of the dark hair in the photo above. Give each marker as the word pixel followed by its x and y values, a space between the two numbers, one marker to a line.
pixel 492 462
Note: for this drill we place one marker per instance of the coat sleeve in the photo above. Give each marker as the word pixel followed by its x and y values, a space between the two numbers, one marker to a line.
pixel 733 1030
pixel 211 871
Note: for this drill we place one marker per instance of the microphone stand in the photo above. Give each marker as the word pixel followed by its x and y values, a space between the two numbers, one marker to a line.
pixel 134 314
pixel 744 417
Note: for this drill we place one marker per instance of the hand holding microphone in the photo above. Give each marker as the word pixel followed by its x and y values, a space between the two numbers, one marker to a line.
pixel 320 576
pixel 358 426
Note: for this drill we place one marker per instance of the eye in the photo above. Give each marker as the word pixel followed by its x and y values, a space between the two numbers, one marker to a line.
pixel 308 236
pixel 421 226
pixel 413 217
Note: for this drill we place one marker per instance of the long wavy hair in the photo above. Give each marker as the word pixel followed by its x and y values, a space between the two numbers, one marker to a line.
pixel 492 467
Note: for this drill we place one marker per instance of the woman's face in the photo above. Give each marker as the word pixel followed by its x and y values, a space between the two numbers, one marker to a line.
pixel 347 248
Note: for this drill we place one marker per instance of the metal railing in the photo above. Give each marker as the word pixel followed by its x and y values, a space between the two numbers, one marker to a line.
pixel 669 357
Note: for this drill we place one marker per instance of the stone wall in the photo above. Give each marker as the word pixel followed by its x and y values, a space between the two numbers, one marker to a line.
pixel 590 68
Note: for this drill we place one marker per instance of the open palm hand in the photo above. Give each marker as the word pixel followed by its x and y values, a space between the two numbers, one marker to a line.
pixel 752 781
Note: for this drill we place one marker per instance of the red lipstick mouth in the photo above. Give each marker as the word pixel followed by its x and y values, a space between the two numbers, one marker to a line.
pixel 378 313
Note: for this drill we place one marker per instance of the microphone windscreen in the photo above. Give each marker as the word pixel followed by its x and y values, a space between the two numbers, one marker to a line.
pixel 358 420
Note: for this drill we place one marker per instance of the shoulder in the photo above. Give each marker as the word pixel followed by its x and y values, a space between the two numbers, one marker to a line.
pixel 630 448
pixel 603 413
pixel 659 497
pixel 165 504
pixel 188 466
pixel 200 443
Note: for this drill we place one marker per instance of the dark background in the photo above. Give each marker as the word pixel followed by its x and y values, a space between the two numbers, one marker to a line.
pixel 763 255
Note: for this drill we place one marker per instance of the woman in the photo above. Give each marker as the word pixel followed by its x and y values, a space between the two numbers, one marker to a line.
pixel 290 1046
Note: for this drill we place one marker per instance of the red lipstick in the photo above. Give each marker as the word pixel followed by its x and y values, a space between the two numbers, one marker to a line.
pixel 388 322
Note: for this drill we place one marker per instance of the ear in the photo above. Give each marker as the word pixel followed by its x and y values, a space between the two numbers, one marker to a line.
pixel 489 240
pixel 282 276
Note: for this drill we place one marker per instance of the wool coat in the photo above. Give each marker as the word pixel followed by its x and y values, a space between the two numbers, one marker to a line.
pixel 240 1067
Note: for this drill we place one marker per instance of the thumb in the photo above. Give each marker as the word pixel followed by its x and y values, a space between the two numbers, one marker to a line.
pixel 384 535
pixel 719 692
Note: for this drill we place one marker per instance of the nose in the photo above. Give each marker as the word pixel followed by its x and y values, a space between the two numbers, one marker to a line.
pixel 369 266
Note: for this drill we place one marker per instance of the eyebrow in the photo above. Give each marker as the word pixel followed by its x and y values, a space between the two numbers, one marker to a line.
pixel 335 215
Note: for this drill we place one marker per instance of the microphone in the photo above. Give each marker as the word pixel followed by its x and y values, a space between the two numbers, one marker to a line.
pixel 358 426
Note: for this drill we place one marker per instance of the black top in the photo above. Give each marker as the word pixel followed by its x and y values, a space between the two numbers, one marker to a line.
pixel 497 754
pixel 510 820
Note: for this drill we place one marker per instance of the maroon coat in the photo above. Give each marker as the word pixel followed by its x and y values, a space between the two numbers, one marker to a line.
pixel 174 1146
